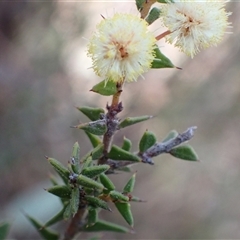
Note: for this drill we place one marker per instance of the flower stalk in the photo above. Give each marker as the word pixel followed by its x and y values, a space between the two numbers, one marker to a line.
pixel 162 35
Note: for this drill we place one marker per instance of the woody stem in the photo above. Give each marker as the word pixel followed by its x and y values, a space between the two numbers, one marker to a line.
pixel 112 122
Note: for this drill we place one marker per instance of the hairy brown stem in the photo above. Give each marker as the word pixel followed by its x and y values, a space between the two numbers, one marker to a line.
pixel 112 122
pixel 146 7
pixel 76 223
pixel 116 96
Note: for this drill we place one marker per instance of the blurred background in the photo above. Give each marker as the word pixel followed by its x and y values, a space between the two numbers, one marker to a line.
pixel 45 74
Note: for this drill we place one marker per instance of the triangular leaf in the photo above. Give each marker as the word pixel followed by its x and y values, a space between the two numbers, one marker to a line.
pixel 106 182
pixel 94 171
pixel 148 140
pixel 92 113
pixel 88 182
pixel 75 159
pixel 86 162
pixel 153 15
pixel 94 154
pixel 118 197
pixel 102 225
pixel 58 217
pixel 185 152
pixel 61 191
pixel 98 127
pixel 97 152
pixel 95 140
pixel 130 184
pixel 125 210
pixel 74 201
pixel 105 88
pixel 139 4
pixel 67 212
pixel 170 135
pixel 118 153
pixel 127 144
pixel 92 216
pixel 60 169
pixel 97 202
pixel 44 232
pixel 133 120
pixel 161 61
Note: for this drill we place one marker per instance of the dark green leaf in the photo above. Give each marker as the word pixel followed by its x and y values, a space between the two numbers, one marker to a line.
pixel 127 144
pixel 118 153
pixel 92 216
pixel 148 140
pixel 92 113
pixel 118 197
pixel 102 225
pixel 125 210
pixel 153 15
pixel 133 120
pixel 98 127
pixel 87 161
pixel 161 61
pixel 97 152
pixel 139 4
pixel 105 88
pixel 95 140
pixel 106 182
pixel 75 161
pixel 88 182
pixel 4 229
pixel 130 184
pixel 60 169
pixel 68 212
pixel 185 152
pixel 170 135
pixel 74 202
pixel 58 217
pixel 61 191
pixel 97 202
pixel 44 232
pixel 94 171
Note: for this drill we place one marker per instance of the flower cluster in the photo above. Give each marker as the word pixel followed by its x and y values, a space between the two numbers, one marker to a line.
pixel 195 24
pixel 122 48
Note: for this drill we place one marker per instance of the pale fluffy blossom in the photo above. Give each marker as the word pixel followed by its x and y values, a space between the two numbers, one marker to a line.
pixel 195 24
pixel 121 48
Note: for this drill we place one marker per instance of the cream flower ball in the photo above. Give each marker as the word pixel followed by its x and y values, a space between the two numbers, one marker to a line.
pixel 121 48
pixel 195 24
